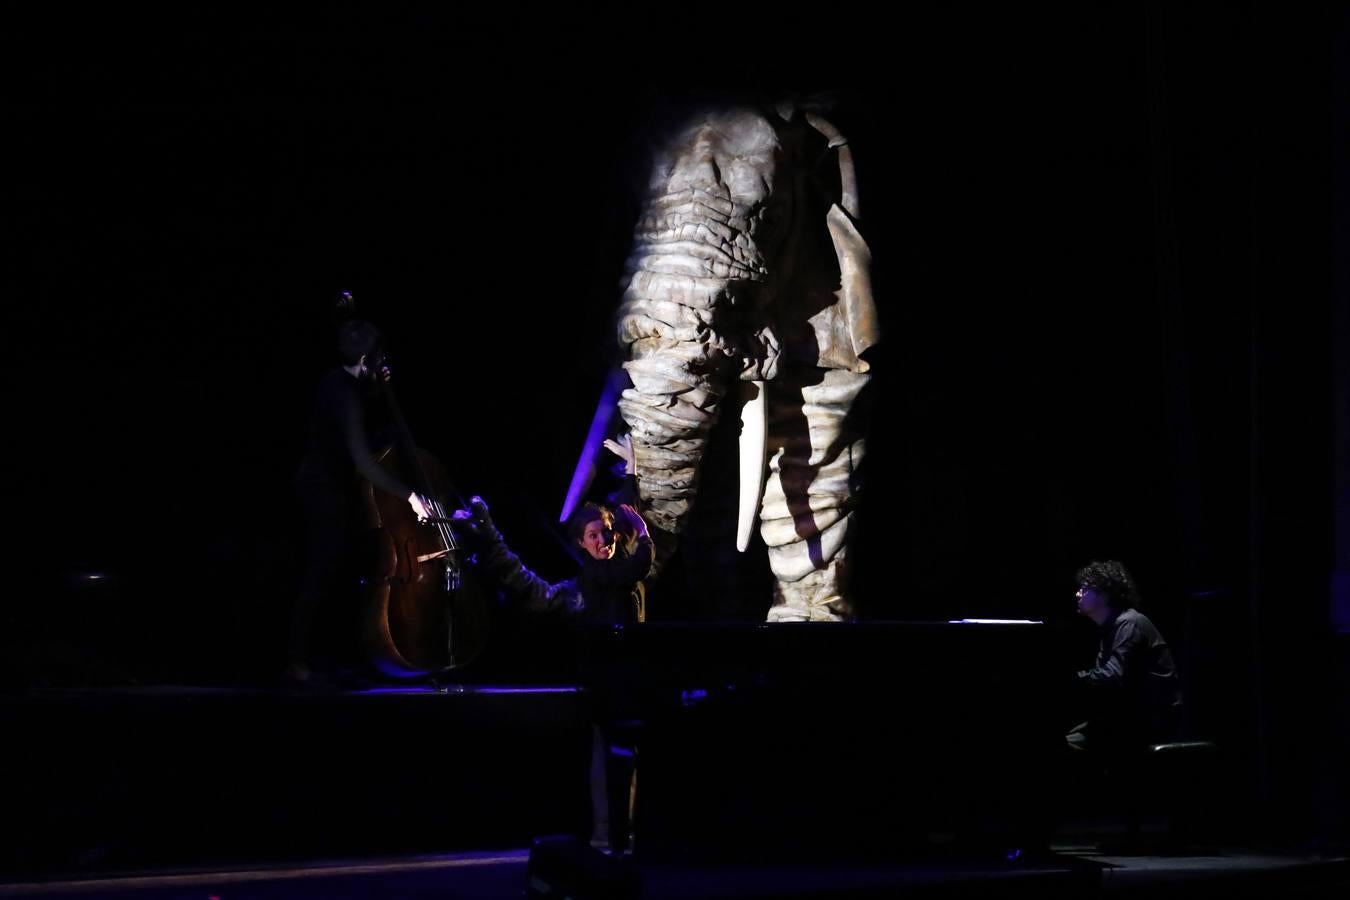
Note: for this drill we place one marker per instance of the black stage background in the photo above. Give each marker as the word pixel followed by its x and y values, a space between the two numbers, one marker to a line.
pixel 1102 258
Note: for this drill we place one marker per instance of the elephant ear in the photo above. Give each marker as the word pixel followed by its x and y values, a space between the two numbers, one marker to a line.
pixel 856 312
pixel 855 289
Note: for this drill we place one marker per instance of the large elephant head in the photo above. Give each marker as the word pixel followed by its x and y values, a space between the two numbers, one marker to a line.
pixel 748 286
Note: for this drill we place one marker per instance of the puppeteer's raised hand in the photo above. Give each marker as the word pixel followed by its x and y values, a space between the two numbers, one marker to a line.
pixel 623 448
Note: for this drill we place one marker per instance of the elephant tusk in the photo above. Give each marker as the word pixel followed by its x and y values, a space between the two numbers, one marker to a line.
pixel 754 425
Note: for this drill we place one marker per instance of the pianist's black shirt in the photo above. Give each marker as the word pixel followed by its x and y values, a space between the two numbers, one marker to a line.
pixel 1134 684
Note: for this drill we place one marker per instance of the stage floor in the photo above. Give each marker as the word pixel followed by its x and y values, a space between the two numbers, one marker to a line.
pixel 159 792
pixel 503 874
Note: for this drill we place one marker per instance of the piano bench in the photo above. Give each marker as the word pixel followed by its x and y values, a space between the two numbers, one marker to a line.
pixel 1177 782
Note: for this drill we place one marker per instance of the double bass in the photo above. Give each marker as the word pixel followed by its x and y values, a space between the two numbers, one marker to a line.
pixel 424 609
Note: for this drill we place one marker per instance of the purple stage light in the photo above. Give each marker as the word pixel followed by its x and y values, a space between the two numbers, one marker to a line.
pixel 595 440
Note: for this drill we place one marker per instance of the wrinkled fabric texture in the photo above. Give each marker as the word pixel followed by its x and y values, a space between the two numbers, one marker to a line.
pixel 747 265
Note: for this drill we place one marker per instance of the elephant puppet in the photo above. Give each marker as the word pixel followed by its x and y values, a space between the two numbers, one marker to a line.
pixel 749 286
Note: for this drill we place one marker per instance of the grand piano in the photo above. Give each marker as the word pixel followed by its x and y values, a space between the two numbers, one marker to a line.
pixel 884 737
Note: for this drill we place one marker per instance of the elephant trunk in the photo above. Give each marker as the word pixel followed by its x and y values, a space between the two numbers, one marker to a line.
pixel 696 270
pixel 690 268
